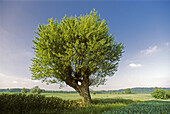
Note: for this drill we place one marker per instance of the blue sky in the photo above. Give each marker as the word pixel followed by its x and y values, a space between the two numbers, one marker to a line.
pixel 143 26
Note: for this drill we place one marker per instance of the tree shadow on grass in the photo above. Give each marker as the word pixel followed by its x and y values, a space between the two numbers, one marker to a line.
pixel 113 101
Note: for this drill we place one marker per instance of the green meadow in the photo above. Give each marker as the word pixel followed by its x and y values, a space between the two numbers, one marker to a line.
pixel 76 96
pixel 70 103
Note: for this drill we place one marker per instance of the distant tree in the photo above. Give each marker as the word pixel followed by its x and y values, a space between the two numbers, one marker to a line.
pixel 43 91
pixel 159 94
pixel 78 51
pixel 156 88
pixel 15 90
pixel 94 93
pixel 7 90
pixel 128 91
pixel 122 92
pixel 24 90
pixel 36 90
pixel 167 93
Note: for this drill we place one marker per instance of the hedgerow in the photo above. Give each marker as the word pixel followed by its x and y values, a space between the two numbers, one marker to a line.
pixel 22 103
pixel 161 94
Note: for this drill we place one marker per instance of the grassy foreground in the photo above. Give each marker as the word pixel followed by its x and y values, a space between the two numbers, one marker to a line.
pixel 68 103
pixel 94 109
pixel 147 107
pixel 101 105
pixel 32 103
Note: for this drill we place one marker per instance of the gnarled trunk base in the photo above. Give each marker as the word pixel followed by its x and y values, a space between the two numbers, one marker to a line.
pixel 82 89
pixel 85 94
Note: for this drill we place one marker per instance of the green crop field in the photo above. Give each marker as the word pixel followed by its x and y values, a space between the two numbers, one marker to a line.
pixel 147 107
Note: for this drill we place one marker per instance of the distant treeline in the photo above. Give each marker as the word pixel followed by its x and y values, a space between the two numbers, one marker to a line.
pixel 133 90
pixel 139 90
pixel 18 90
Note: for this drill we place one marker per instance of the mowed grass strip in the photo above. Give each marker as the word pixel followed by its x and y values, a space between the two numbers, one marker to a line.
pixel 66 96
pixel 76 96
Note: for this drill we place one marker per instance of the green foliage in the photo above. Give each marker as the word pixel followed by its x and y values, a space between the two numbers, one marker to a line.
pixel 36 90
pixel 32 103
pixel 167 93
pixel 147 107
pixel 113 101
pixel 24 90
pixel 128 91
pixel 159 94
pixel 22 103
pixel 7 90
pixel 75 49
pixel 99 106
pixel 94 109
pixel 94 93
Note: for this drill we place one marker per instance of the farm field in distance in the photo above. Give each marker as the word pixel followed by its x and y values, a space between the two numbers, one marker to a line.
pixel 75 96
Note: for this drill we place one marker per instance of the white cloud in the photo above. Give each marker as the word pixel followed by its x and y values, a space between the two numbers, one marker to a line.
pixel 167 44
pixel 11 81
pixel 2 75
pixel 135 65
pixel 15 82
pixel 37 81
pixel 149 50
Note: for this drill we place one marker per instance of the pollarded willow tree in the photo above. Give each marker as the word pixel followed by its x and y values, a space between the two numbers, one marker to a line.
pixel 78 51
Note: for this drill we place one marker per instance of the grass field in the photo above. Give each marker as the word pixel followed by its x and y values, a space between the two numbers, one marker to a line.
pixel 75 96
pixel 32 103
pixel 110 104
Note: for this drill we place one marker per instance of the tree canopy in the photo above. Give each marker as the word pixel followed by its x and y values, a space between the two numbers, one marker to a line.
pixel 24 90
pixel 77 50
pixel 36 90
pixel 128 91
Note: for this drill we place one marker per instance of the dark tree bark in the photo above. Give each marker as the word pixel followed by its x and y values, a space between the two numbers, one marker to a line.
pixel 82 89
pixel 85 93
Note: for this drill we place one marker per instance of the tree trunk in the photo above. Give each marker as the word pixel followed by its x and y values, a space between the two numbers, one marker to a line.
pixel 85 93
pixel 82 89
